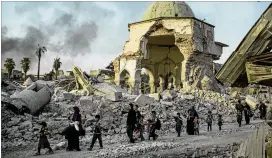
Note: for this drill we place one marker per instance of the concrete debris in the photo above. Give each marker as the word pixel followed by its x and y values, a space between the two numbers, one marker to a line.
pixel 168 94
pixel 186 97
pixel 129 97
pixel 108 88
pixel 22 130
pixel 28 82
pixel 68 96
pixel 156 96
pixel 34 97
pixel 143 100
pixel 114 96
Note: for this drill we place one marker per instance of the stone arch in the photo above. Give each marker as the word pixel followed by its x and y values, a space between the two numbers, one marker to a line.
pixel 151 79
pixel 160 84
pixel 170 81
pixel 124 79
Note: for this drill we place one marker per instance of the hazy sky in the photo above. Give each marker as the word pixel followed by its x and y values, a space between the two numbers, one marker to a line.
pixel 91 34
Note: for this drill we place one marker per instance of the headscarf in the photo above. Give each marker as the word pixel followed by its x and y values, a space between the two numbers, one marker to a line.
pixel 76 116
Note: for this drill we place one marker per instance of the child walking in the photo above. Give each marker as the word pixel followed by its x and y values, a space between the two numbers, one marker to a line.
pixel 220 122
pixel 97 133
pixel 178 124
pixel 209 120
pixel 148 124
pixel 43 141
pixel 196 126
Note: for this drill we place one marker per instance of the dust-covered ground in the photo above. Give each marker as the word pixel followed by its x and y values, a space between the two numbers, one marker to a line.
pixel 223 143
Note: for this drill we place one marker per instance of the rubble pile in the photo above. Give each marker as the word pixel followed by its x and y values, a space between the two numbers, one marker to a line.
pixel 20 130
pixel 23 130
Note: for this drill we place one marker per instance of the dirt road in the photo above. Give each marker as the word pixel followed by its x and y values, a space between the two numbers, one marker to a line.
pixel 225 141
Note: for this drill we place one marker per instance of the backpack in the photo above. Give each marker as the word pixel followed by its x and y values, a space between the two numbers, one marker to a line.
pixel 250 113
pixel 158 124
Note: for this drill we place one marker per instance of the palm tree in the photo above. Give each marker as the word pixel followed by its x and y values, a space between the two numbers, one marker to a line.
pixel 9 65
pixel 56 66
pixel 39 52
pixel 25 63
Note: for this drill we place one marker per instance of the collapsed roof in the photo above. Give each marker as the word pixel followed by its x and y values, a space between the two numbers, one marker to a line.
pixel 251 62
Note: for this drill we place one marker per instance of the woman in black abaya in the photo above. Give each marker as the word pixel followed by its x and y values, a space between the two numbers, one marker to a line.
pixel 190 120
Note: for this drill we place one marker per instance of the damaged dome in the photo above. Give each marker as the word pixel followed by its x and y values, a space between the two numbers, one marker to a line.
pixel 168 9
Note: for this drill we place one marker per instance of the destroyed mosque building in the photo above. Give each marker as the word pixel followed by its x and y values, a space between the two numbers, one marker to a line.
pixel 176 49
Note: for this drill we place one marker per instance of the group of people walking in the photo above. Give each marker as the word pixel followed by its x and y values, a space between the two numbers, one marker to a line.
pixel 136 125
pixel 244 109
pixel 71 133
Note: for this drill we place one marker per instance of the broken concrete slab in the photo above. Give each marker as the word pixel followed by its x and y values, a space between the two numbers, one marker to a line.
pixel 156 96
pixel 169 94
pixel 187 97
pixel 48 83
pixel 68 96
pixel 109 87
pixel 129 96
pixel 143 100
pixel 35 99
pixel 114 96
pixel 166 103
pixel 28 82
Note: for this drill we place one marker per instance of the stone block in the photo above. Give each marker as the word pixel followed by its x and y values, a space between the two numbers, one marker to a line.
pixel 143 100
pixel 129 96
pixel 187 97
pixel 169 94
pixel 86 101
pixel 156 96
pixel 166 103
pixel 114 96
pixel 68 96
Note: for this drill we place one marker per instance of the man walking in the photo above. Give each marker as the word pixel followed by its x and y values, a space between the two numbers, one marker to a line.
pixel 153 128
pixel 97 133
pixel 247 112
pixel 239 109
pixel 263 111
pixel 131 121
pixel 179 123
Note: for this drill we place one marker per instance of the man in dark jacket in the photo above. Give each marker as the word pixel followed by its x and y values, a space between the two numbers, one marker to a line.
pixel 97 133
pixel 154 120
pixel 263 110
pixel 131 121
pixel 247 113
pixel 239 108
pixel 138 115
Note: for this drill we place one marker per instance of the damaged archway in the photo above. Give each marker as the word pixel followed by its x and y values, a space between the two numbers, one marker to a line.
pixel 164 56
pixel 147 81
pixel 160 83
pixel 124 79
pixel 170 81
